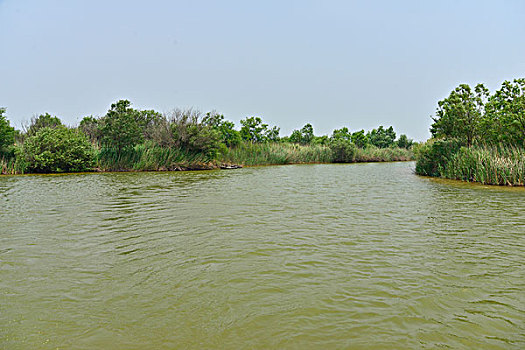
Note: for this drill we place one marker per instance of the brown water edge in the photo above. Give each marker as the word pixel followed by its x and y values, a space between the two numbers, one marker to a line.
pixel 472 184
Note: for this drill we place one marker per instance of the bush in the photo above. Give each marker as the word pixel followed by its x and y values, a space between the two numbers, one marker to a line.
pixel 343 151
pixel 56 150
pixel 433 156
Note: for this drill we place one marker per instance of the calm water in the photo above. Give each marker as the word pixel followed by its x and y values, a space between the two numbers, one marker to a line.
pixel 360 256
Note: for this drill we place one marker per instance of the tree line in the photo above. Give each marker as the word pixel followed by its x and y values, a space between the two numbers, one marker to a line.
pixel 47 145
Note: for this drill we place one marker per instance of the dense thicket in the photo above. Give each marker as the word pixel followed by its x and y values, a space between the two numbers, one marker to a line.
pixel 477 136
pixel 126 138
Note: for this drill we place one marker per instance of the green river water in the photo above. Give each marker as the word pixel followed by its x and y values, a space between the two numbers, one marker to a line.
pixel 357 256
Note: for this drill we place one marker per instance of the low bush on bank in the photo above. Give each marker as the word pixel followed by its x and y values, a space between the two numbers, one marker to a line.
pixel 56 150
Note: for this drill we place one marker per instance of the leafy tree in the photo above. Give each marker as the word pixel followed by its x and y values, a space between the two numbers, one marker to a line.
pixel 505 114
pixel 55 150
pixel 192 135
pixel 253 129
pixel 342 134
pixel 43 121
pixel 321 140
pixel 122 126
pixel 272 134
pixel 229 136
pixel 296 136
pixel 360 139
pixel 91 128
pixel 381 137
pixel 303 136
pixel 459 115
pixel 404 142
pixel 7 132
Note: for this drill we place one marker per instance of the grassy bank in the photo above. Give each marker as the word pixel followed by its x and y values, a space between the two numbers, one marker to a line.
pixel 491 165
pixel 150 157
pixel 287 153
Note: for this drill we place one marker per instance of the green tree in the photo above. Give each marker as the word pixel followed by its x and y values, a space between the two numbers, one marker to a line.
pixel 504 119
pixel 381 137
pixel 122 126
pixel 55 150
pixel 360 139
pixel 91 128
pixel 7 133
pixel 229 136
pixel 460 114
pixel 272 134
pixel 342 134
pixel 253 129
pixel 43 121
pixel 404 142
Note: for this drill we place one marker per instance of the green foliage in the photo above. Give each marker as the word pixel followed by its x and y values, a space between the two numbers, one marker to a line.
pixel 228 135
pixel 269 153
pixel 7 133
pixel 43 121
pixel 381 137
pixel 304 136
pixel 253 129
pixel 360 139
pixel 55 150
pixel 495 165
pixel 343 150
pixel 321 140
pixel 90 126
pixel 193 136
pixel 433 156
pixel 459 115
pixel 404 142
pixel 504 120
pixel 342 134
pixel 122 126
pixel 150 157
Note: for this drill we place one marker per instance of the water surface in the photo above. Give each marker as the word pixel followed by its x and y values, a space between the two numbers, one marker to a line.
pixel 358 256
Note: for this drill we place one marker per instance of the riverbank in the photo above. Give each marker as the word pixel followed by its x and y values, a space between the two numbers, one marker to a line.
pixel 488 165
pixel 146 157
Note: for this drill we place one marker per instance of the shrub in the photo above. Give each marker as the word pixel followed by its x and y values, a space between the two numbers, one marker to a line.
pixel 56 150
pixel 433 156
pixel 343 151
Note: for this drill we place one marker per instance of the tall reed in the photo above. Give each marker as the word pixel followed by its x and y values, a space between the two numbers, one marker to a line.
pixel 494 165
pixel 276 153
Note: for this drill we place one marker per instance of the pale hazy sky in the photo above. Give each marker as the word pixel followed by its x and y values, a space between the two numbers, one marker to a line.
pixel 330 63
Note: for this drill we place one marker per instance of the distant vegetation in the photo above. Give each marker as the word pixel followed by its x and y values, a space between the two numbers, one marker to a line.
pixel 477 136
pixel 130 139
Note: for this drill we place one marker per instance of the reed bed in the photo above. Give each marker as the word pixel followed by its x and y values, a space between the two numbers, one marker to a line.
pixel 289 153
pixel 276 153
pixel 497 165
pixel 146 157
pixel 374 154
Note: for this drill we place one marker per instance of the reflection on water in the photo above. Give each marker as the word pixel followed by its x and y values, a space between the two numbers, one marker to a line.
pixel 317 256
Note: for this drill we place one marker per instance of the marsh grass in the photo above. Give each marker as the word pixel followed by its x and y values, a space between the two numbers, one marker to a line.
pixel 276 153
pixel 492 165
pixel 290 153
pixel 148 157
pixel 374 154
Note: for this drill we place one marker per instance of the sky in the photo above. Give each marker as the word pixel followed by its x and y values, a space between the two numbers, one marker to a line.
pixel 358 64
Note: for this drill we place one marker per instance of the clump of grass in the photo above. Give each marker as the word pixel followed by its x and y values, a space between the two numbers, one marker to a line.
pixel 12 166
pixel 273 153
pixel 374 154
pixel 148 157
pixel 290 153
pixel 492 165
